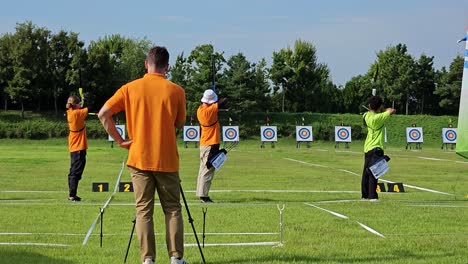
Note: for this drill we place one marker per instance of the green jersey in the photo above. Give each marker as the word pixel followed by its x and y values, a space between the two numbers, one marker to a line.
pixel 375 129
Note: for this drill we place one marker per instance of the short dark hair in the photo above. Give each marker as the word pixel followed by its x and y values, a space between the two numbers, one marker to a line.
pixel 158 56
pixel 375 102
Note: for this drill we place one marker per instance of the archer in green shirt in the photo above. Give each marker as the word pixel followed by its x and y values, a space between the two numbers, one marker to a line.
pixel 374 120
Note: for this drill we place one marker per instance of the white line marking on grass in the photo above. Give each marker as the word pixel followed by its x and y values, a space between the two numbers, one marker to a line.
pixel 350 172
pixel 463 162
pixel 370 229
pixel 32 244
pixel 339 201
pixel 345 217
pixel 236 244
pixel 428 158
pixel 93 225
pixel 353 173
pixel 308 163
pixel 328 211
pixel 434 205
pixel 158 234
pixel 282 191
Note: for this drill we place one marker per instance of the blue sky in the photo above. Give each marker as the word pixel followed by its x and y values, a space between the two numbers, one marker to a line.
pixel 347 34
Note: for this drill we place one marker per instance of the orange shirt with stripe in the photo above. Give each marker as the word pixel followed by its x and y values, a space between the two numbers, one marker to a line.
pixel 208 118
pixel 76 124
pixel 152 107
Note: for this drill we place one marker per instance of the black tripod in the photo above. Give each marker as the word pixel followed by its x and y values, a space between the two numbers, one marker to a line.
pixel 190 221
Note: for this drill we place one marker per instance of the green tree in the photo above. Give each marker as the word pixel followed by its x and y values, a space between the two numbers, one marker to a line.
pixel 111 62
pixel 396 75
pixel 355 94
pixel 64 48
pixel 6 66
pixel 238 84
pixel 29 56
pixel 425 85
pixel 204 69
pixel 178 73
pixel 449 87
pixel 302 80
pixel 261 87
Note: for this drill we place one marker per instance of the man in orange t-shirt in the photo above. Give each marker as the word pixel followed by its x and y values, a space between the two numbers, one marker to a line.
pixel 77 144
pixel 207 114
pixel 154 107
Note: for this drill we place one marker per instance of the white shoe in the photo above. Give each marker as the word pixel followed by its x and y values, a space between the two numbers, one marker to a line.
pixel 148 261
pixel 373 200
pixel 174 260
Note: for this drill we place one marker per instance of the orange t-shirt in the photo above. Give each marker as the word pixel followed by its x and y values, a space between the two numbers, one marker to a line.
pixel 152 107
pixel 76 125
pixel 208 118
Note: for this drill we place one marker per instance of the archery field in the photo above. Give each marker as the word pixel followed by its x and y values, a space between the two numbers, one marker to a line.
pixel 271 205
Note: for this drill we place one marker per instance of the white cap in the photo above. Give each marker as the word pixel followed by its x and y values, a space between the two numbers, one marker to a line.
pixel 209 97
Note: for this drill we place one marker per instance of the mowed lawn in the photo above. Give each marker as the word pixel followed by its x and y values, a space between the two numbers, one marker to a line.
pixel 323 220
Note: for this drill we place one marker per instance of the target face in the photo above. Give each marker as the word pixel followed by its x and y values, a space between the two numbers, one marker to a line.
pixel 414 135
pixel 304 133
pixel 342 134
pixel 121 130
pixel 230 133
pixel 449 135
pixel 191 133
pixel 268 134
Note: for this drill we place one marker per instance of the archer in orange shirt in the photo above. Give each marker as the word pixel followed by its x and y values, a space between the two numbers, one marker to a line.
pixel 207 114
pixel 77 144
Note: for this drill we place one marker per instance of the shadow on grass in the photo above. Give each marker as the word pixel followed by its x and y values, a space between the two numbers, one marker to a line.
pixel 16 256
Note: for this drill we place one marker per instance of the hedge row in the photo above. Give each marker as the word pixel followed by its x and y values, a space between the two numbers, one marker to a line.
pixel 42 126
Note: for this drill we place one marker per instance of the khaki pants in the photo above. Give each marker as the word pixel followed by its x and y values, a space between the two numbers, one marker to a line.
pixel 167 184
pixel 205 175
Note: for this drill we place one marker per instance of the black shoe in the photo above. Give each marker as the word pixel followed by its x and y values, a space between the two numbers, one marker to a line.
pixel 206 199
pixel 74 199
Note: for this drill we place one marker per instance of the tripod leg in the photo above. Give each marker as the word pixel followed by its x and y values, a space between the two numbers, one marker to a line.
pixel 191 222
pixel 130 240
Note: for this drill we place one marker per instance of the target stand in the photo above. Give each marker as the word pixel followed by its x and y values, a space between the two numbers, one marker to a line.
pixel 342 135
pixel 191 134
pixel 268 134
pixel 414 135
pixel 230 134
pixel 449 138
pixel 304 135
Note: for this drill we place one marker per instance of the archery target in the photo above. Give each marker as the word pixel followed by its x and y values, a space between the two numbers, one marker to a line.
pixel 304 133
pixel 230 133
pixel 342 134
pixel 191 133
pixel 121 130
pixel 449 135
pixel 268 134
pixel 414 135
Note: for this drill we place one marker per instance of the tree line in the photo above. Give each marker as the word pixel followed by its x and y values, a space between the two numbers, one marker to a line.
pixel 39 69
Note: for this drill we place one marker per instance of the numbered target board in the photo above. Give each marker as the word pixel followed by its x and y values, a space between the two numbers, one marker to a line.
pixel 268 134
pixel 342 134
pixel 121 130
pixel 449 135
pixel 304 134
pixel 191 133
pixel 230 133
pixel 414 135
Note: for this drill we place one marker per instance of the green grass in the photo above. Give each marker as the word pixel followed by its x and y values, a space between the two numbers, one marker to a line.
pixel 419 226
